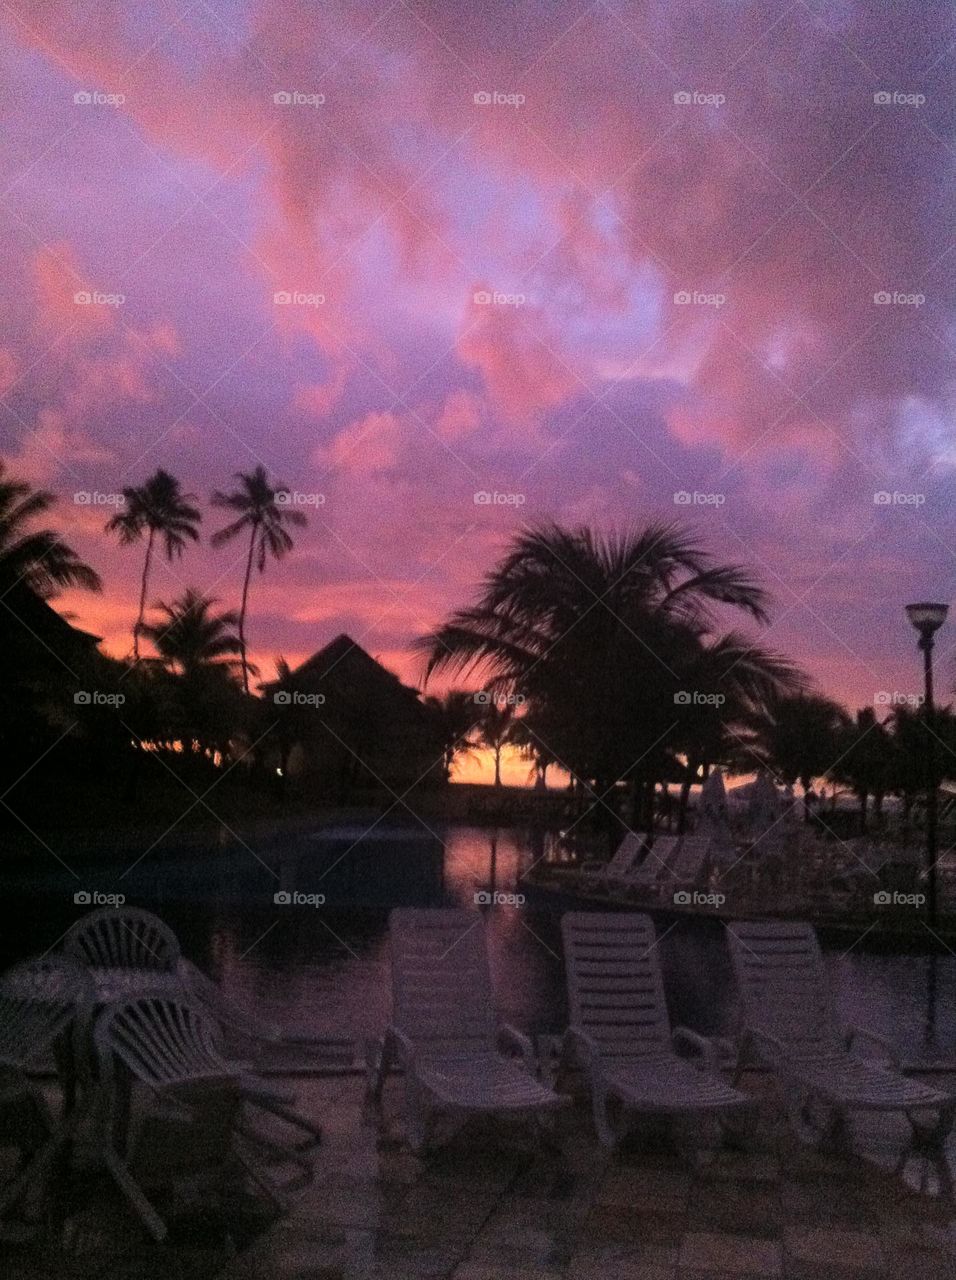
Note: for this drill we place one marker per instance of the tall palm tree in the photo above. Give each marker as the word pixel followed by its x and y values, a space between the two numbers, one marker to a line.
pixel 158 507
pixel 609 636
pixel 36 557
pixel 458 714
pixel 803 736
pixel 496 730
pixel 191 638
pixel 264 518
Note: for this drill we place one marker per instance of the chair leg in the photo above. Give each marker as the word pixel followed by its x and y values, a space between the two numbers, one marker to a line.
pixel 416 1114
pixel 609 1134
pixel 34 1172
pixel 929 1142
pixel 290 1116
pixel 135 1195
pixel 37 1169
pixel 376 1068
pixel 262 1180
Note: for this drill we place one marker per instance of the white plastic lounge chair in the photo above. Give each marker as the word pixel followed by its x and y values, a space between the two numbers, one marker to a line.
pixel 444 1032
pixel 41 1001
pixel 601 875
pixel 620 1030
pixel 123 938
pixel 789 1023
pixel 198 1128
pixel 686 866
pixel 653 870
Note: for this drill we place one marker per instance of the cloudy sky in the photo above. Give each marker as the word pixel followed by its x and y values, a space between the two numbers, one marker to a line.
pixel 579 257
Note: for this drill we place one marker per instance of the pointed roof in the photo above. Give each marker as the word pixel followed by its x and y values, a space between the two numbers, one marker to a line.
pixel 343 660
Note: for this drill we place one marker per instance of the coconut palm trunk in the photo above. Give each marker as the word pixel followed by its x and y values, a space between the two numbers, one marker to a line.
pixel 142 594
pixel 262 510
pixel 242 607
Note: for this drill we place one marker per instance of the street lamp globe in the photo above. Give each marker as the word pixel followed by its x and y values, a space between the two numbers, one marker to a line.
pixel 926 617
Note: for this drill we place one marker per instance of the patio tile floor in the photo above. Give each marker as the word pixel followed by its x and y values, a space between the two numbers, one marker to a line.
pixel 491 1206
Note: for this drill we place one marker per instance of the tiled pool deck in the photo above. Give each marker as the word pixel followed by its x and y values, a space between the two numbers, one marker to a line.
pixel 488 1207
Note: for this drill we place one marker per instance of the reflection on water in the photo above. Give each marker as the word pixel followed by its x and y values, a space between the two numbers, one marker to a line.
pixel 327 967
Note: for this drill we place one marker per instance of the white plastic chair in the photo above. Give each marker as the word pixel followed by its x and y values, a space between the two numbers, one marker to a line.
pixel 620 1031
pixel 655 869
pixel 123 938
pixel 790 1024
pixel 444 1032
pixel 689 860
pixel 600 875
pixel 172 1048
pixel 41 1002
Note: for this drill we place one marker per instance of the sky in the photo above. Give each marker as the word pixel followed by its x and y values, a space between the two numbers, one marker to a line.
pixel 446 268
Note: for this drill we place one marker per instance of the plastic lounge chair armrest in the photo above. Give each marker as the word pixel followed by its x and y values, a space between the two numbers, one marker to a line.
pixel 701 1044
pixel 582 1049
pixel 398 1043
pixel 510 1037
pixel 855 1034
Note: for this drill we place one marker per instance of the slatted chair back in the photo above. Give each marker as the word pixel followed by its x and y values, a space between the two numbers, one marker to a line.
pixel 123 938
pixel 39 999
pixel 441 984
pixel 171 1047
pixel 687 864
pixel 657 865
pixel 614 982
pixel 783 984
pixel 162 1042
pixel 625 855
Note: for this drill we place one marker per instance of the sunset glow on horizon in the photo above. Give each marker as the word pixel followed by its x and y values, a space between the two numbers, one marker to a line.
pixel 444 270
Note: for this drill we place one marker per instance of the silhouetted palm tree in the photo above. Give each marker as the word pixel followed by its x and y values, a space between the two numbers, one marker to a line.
pixel 496 730
pixel 802 736
pixel 156 507
pixel 264 517
pixel 191 637
pixel 609 635
pixel 38 558
pixel 458 714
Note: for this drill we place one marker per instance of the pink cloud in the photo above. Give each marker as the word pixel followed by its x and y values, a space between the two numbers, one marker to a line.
pixel 319 398
pixel 370 445
pixel 515 352
pixel 460 416
pixel 65 293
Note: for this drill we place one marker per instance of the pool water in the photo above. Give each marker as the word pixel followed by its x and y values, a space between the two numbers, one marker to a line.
pixel 324 965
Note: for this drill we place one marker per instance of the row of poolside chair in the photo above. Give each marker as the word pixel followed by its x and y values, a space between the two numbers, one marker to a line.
pixel 458 1062
pixel 670 863
pixel 121 1008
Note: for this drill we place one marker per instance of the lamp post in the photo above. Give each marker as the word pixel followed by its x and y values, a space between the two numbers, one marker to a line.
pixel 927 619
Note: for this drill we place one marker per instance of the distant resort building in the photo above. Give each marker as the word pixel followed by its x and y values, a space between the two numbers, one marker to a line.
pixel 346 723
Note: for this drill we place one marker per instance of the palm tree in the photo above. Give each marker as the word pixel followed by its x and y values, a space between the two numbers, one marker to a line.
pixel 192 638
pixel 866 761
pixel 802 736
pixel 262 515
pixel 458 715
pixel 156 507
pixel 608 637
pixel 36 557
pixel 496 730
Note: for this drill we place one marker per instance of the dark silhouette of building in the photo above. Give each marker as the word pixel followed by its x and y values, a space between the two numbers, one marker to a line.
pixel 345 724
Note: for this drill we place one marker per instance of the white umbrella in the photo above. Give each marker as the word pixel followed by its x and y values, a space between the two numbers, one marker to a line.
pixel 764 804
